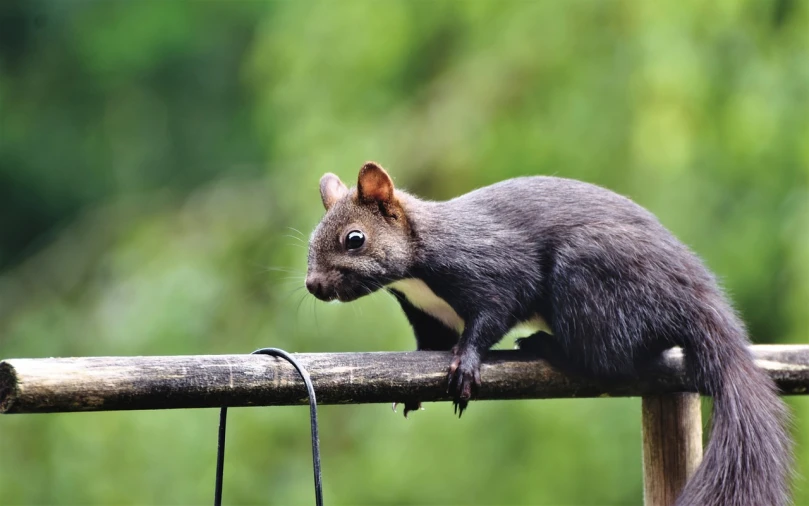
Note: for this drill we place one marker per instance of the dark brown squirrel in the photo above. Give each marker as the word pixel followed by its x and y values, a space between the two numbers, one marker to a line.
pixel 614 287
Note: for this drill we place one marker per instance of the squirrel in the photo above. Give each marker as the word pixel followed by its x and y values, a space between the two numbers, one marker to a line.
pixel 612 287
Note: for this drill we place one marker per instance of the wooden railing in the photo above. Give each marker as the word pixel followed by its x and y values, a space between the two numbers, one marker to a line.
pixel 672 427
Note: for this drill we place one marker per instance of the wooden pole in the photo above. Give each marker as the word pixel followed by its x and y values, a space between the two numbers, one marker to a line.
pixel 123 383
pixel 672 445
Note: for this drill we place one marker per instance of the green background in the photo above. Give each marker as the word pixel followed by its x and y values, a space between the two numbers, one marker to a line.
pixel 159 164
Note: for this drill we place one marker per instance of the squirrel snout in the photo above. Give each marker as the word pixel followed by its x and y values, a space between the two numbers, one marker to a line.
pixel 316 286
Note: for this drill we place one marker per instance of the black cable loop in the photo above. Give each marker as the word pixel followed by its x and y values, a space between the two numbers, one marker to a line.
pixel 223 414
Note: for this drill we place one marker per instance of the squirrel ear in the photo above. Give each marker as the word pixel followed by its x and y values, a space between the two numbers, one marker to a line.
pixel 331 189
pixel 374 185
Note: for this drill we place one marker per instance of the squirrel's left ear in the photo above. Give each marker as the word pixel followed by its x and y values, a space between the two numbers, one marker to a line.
pixel 331 189
pixel 374 185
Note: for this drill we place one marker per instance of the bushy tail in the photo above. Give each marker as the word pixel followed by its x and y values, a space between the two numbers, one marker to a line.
pixel 748 459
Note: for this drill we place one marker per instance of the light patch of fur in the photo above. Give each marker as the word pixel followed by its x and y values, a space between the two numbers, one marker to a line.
pixel 419 294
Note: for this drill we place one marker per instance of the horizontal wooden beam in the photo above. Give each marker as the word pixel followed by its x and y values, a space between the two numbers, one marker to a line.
pixel 47 385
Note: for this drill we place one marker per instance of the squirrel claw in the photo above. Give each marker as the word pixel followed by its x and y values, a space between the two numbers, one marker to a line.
pixel 409 406
pixel 460 407
pixel 463 380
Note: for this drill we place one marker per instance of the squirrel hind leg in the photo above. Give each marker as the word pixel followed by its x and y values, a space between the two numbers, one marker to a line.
pixel 571 362
pixel 535 343
pixel 546 347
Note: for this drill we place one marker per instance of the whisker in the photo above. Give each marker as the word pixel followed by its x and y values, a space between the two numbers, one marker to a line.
pixel 296 230
pixel 317 322
pixel 294 237
pixel 287 270
pixel 290 293
pixel 298 307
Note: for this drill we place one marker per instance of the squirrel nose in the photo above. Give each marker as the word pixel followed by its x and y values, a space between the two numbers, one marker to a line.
pixel 314 284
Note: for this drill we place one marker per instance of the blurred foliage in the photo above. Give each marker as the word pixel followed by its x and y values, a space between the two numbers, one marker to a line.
pixel 158 179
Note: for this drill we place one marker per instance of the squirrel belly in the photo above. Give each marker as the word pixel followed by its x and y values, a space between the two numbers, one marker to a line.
pixel 422 297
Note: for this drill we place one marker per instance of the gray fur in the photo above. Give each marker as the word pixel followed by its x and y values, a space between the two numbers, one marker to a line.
pixel 614 285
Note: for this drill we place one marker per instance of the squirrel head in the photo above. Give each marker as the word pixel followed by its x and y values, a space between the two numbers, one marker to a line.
pixel 363 242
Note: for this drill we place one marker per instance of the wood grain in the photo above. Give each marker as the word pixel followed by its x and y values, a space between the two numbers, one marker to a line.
pixel 46 385
pixel 672 445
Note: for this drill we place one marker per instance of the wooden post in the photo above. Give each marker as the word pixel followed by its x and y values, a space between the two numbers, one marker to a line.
pixel 672 445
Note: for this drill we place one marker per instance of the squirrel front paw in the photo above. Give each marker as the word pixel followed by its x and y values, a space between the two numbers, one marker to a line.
pixel 463 378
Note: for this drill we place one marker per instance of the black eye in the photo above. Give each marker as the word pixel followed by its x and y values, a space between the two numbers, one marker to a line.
pixel 355 239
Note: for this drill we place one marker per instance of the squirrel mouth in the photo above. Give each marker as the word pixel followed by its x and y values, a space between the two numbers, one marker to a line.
pixel 346 297
pixel 336 294
pixel 321 294
pixel 352 294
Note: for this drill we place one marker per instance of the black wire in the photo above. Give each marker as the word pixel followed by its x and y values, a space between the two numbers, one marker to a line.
pixel 220 454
